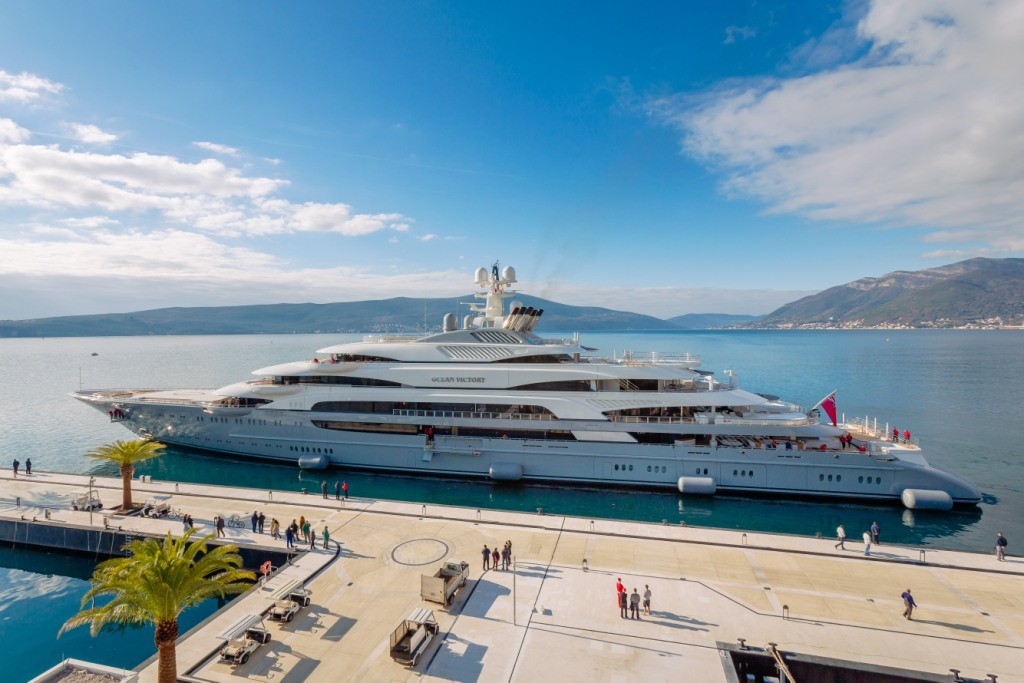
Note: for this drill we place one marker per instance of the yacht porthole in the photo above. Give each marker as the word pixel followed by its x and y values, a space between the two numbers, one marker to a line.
pixel 630 468
pixel 616 468
pixel 648 468
pixel 734 473
pixel 839 477
pixel 830 477
pixel 705 470
pixel 821 477
pixel 698 471
pixel 860 480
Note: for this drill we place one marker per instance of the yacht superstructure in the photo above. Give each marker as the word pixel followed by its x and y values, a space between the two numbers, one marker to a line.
pixel 491 399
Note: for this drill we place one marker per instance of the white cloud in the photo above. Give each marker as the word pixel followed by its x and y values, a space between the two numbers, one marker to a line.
pixel 426 238
pixel 217 149
pixel 25 87
pixel 925 129
pixel 90 134
pixel 12 132
pixel 208 195
pixel 89 221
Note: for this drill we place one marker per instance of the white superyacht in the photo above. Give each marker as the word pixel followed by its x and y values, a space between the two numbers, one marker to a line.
pixel 491 399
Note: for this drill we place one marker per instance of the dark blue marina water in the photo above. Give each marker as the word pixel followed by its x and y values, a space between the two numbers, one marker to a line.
pixel 38 592
pixel 960 391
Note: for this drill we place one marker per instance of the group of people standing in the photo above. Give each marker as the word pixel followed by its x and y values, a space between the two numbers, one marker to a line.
pixel 340 487
pixel 16 465
pixel 302 528
pixel 631 601
pixel 504 557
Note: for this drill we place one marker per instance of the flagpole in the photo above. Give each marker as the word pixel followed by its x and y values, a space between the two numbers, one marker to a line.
pixel 823 398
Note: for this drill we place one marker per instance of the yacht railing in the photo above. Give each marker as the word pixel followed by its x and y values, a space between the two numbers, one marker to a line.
pixel 652 419
pixel 473 415
pixel 884 432
pixel 658 358
pixel 393 337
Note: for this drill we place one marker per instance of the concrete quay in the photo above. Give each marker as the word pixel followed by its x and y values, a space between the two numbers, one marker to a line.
pixel 553 618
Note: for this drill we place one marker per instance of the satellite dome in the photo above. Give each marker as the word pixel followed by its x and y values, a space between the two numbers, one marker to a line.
pixel 449 322
pixel 508 273
pixel 481 276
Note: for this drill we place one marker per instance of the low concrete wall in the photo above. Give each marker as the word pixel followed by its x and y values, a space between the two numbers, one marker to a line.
pixel 49 534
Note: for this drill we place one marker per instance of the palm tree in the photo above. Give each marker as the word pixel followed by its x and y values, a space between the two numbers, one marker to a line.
pixel 126 454
pixel 155 584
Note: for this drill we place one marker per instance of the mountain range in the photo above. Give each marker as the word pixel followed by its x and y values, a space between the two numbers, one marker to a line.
pixel 980 292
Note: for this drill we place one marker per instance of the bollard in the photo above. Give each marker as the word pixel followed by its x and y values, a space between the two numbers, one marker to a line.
pixel 47 511
pixel 17 502
pixel 586 566
pixel 270 495
pixel 591 525
pixel 920 556
pixel 991 678
pixel 785 611
pixel 956 674
pixel 478 515
pixel 303 491
pixel 743 643
pixel 423 510
pixel 743 539
pixel 540 511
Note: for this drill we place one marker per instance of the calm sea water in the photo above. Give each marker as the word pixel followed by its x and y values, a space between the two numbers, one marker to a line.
pixel 960 391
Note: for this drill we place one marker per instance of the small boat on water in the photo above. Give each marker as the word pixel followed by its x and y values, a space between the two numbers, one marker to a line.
pixel 489 398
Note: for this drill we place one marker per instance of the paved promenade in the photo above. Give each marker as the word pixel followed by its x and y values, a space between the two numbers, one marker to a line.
pixel 554 619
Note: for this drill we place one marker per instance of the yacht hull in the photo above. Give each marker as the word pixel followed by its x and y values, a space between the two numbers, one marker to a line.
pixel 284 436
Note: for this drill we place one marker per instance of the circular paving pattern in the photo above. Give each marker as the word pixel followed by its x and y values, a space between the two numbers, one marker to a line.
pixel 419 551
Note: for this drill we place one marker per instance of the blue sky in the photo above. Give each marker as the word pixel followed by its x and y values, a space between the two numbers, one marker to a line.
pixel 707 157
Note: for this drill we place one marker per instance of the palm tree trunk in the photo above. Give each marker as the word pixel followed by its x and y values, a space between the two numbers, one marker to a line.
pixel 164 638
pixel 126 486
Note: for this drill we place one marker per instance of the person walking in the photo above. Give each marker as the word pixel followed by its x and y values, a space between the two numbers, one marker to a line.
pixel 184 523
pixel 16 465
pixel 1000 547
pixel 260 522
pixel 634 605
pixel 289 537
pixel 908 604
pixel 306 531
pixel 867 542
pixel 344 489
pixel 841 535
pixel 294 526
pixel 623 604
pixel 337 490
pixel 647 599
pixel 875 530
pixel 28 466
pixel 505 558
pixel 619 588
pixel 495 557
pixel 312 538
pixel 275 529
pixel 327 537
pixel 487 557
pixel 220 526
pixel 255 519
pixel 323 488
pixel 302 525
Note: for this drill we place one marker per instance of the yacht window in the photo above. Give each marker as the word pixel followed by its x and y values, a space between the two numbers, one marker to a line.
pixel 821 477
pixel 860 480
pixel 830 477
pixel 839 477
pixel 616 468
pixel 630 468
pixel 567 385
pixel 648 468
pixel 705 470
pixel 735 473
